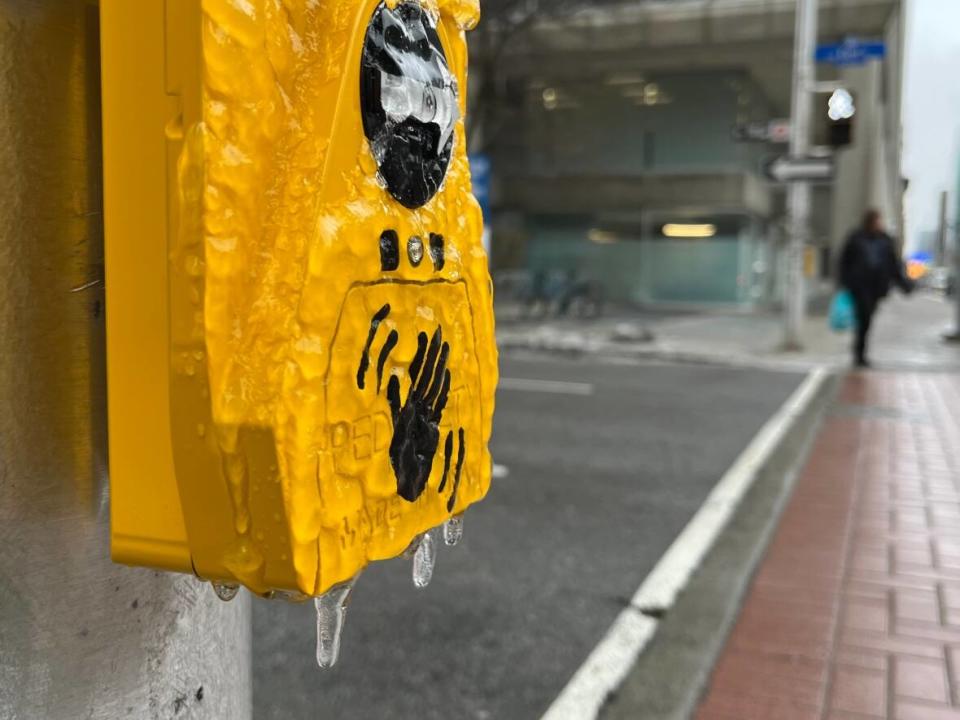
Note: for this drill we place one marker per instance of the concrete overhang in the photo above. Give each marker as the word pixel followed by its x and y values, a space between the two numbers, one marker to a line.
pixel 728 191
pixel 686 35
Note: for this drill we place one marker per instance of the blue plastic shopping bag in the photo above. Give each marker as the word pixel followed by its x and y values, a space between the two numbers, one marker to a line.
pixel 842 312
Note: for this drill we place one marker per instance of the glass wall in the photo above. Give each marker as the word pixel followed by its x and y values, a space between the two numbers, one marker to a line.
pixel 704 259
pixel 628 126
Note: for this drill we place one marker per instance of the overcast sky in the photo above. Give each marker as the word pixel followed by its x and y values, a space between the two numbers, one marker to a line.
pixel 931 110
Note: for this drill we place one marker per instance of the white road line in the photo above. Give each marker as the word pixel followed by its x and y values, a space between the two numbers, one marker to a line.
pixel 611 660
pixel 560 387
pixel 605 668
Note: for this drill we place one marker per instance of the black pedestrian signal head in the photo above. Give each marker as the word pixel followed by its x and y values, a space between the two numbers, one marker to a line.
pixel 408 99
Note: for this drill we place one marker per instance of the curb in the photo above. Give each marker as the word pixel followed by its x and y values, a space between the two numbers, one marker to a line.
pixel 652 351
pixel 656 658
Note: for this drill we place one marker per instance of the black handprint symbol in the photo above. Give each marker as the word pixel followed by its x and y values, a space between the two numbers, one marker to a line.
pixel 448 451
pixel 416 431
pixel 416 420
pixel 378 317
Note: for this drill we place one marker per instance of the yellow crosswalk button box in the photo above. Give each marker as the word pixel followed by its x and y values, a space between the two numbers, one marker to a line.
pixel 301 358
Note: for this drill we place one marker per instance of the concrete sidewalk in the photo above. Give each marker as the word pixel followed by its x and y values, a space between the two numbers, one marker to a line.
pixel 907 335
pixel 854 613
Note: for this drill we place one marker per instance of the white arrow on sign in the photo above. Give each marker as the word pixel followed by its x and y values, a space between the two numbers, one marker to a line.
pixel 805 169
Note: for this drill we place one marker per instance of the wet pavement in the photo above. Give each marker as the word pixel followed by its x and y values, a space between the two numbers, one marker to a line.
pixel 606 460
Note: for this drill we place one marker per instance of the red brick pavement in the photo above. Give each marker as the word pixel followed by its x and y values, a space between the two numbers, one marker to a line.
pixel 854 613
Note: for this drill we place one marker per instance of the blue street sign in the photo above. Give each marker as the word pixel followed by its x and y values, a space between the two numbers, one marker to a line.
pixel 851 51
pixel 480 174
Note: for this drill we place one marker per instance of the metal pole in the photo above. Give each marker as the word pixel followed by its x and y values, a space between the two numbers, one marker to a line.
pixel 956 285
pixel 953 335
pixel 80 637
pixel 941 249
pixel 798 197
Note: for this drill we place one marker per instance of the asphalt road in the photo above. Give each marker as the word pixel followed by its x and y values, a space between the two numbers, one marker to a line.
pixel 607 463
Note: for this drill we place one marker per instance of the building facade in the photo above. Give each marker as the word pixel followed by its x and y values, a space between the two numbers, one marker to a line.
pixel 614 151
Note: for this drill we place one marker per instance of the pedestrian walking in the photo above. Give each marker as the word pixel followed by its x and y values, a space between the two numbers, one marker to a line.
pixel 869 265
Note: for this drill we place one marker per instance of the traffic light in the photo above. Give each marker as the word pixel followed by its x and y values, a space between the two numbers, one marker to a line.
pixel 834 115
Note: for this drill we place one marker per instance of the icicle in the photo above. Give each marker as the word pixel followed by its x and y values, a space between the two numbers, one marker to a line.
pixel 331 612
pixel 424 559
pixel 453 530
pixel 225 591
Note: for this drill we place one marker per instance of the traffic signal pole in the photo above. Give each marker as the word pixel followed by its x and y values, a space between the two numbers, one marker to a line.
pixel 799 194
pixel 80 636
pixel 945 251
pixel 953 335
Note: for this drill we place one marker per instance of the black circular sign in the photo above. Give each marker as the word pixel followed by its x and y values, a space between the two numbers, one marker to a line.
pixel 408 99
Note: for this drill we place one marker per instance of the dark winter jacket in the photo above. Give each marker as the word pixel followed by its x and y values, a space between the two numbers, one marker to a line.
pixel 870 264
